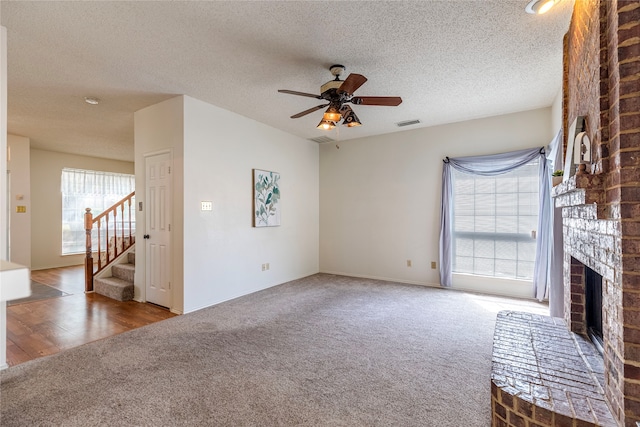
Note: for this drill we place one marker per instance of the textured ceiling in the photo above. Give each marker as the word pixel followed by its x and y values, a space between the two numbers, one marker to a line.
pixel 449 61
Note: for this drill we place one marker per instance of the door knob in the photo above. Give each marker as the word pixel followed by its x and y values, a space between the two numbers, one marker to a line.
pixel 146 236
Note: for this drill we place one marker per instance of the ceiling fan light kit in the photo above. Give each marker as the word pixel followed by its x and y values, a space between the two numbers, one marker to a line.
pixel 350 118
pixel 332 114
pixel 339 92
pixel 326 124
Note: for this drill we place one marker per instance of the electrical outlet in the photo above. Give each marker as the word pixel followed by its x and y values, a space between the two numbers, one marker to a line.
pixel 433 265
pixel 21 209
pixel 267 266
pixel 408 263
pixel 206 206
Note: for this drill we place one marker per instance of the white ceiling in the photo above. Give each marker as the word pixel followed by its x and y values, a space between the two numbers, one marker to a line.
pixel 449 61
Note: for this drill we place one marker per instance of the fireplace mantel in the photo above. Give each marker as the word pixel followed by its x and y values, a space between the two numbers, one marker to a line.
pixel 581 190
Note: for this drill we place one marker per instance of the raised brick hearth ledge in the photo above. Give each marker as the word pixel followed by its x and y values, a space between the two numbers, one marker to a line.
pixel 544 375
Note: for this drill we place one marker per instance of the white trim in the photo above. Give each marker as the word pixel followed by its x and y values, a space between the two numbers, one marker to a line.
pixel 249 293
pixel 493 285
pixel 386 279
pixel 500 288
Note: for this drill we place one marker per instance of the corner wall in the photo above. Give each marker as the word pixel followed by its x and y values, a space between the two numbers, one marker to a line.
pixel 18 165
pixel 223 252
pixel 46 203
pixel 3 193
pixel 380 196
pixel 217 255
pixel 160 128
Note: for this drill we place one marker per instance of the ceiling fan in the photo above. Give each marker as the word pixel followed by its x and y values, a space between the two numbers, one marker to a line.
pixel 338 93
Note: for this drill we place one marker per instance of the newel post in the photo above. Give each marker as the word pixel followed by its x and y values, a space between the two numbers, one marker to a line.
pixel 88 259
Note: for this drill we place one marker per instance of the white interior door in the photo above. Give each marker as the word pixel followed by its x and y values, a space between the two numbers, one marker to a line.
pixel 158 229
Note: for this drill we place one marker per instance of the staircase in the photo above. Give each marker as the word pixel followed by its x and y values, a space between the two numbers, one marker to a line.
pixel 114 232
pixel 120 286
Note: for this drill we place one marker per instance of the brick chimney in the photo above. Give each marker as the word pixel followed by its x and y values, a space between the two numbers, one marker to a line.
pixel 601 210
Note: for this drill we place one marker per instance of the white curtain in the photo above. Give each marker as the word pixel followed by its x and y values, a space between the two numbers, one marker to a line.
pixel 78 181
pixel 490 166
pixel 556 282
pixel 83 189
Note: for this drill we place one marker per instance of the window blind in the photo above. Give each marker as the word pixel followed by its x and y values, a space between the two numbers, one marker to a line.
pixel 494 222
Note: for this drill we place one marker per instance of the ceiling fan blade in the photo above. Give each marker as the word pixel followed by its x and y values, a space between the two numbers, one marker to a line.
pixel 352 83
pixel 390 101
pixel 293 92
pixel 310 110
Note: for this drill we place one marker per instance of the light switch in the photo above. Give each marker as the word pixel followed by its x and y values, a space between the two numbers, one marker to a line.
pixel 207 206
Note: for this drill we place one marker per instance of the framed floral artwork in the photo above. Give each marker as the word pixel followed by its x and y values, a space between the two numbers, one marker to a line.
pixel 266 198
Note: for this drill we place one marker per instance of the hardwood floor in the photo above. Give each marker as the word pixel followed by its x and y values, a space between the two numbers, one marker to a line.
pixel 41 328
pixel 66 279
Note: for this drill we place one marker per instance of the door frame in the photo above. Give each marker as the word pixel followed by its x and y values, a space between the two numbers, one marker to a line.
pixel 143 263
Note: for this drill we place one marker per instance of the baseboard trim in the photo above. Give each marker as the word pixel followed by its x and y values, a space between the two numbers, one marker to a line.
pixel 433 285
pixel 249 293
pixel 386 279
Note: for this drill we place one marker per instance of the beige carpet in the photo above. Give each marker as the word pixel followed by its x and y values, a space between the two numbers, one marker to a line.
pixel 322 351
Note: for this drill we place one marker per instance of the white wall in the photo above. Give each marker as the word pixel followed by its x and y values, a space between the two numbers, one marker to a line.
pixel 3 186
pixel 380 196
pixel 223 253
pixel 18 165
pixel 214 152
pixel 3 150
pixel 160 127
pixel 556 113
pixel 46 203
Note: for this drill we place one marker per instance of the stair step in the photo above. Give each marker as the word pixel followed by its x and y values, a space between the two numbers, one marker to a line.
pixel 131 257
pixel 114 288
pixel 124 271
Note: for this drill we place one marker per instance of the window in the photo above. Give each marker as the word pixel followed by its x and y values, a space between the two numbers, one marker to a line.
pixel 494 222
pixel 83 189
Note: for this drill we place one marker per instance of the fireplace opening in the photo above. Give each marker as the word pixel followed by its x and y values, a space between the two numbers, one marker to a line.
pixel 593 306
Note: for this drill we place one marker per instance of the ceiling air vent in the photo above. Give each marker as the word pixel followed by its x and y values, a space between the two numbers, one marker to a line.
pixel 407 123
pixel 321 139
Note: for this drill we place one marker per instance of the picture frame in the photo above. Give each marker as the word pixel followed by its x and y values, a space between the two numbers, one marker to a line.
pixel 266 198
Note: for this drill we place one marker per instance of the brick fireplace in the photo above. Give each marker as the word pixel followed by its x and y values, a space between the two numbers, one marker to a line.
pixel 542 375
pixel 601 210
